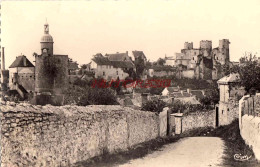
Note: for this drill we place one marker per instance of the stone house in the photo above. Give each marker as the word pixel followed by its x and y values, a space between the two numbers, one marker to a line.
pixel 112 66
pixel 169 61
pixel 230 91
pixel 22 75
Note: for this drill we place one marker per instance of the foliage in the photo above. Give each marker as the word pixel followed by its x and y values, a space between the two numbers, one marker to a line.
pixel 154 105
pixel 81 94
pixel 249 72
pixel 82 82
pixel 180 107
pixel 84 66
pixel 130 72
pixel 140 66
pixel 212 96
pixel 161 61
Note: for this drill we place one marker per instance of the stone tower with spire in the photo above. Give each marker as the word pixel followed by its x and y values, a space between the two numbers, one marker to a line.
pixel 47 41
pixel 44 81
pixel 51 72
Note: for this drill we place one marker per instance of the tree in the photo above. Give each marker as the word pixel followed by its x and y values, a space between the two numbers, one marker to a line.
pixel 161 61
pixel 140 66
pixel 86 95
pixel 154 106
pixel 249 72
pixel 84 66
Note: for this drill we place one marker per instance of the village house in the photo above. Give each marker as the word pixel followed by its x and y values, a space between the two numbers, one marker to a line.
pixel 169 61
pixel 230 93
pixel 112 66
pixel 139 55
pixel 22 76
pixel 161 71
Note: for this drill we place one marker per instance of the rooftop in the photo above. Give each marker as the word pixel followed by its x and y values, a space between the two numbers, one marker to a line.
pixel 234 77
pixel 21 61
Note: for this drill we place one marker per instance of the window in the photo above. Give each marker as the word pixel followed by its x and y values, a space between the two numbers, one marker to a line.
pixel 193 58
pixel 104 73
pixel 217 58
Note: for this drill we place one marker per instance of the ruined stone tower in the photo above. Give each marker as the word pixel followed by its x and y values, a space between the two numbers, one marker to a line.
pixel 188 45
pixel 224 50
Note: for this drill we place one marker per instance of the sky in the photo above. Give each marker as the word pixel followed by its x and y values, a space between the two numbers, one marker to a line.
pixel 81 29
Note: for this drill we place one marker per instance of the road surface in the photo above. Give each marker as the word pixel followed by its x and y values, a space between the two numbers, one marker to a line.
pixel 187 152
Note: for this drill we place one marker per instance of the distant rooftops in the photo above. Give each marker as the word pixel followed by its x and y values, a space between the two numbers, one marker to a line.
pixel 118 60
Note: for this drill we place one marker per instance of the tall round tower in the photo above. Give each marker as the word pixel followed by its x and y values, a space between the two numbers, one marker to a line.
pixel 47 41
pixel 44 64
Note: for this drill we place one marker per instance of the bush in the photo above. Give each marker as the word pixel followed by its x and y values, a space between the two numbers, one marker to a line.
pixel 154 106
pixel 83 96
pixel 186 108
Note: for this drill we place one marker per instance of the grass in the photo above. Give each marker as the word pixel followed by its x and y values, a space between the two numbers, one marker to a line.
pixel 229 133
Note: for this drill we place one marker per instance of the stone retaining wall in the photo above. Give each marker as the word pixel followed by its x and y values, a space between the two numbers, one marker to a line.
pixel 61 136
pixel 249 122
pixel 199 119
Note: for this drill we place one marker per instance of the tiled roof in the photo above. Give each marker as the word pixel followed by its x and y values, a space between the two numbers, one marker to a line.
pixel 180 95
pixel 190 100
pixel 138 54
pixel 230 78
pixel 21 61
pixel 115 64
pixel 118 57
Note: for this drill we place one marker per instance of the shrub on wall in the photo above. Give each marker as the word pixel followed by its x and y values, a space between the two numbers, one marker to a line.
pixel 83 96
pixel 154 105
pixel 186 108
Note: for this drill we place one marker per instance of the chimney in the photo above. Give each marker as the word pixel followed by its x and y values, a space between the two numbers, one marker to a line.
pixel 24 61
pixel 3 59
pixel 181 92
pixel 188 91
pixel 127 52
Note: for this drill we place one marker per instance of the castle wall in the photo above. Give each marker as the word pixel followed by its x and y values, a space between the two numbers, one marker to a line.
pixel 188 45
pixel 61 80
pixel 61 136
pixel 224 43
pixel 205 44
pixel 44 79
pixel 188 74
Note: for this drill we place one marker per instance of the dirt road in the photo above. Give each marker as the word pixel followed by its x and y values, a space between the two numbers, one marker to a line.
pixel 188 152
